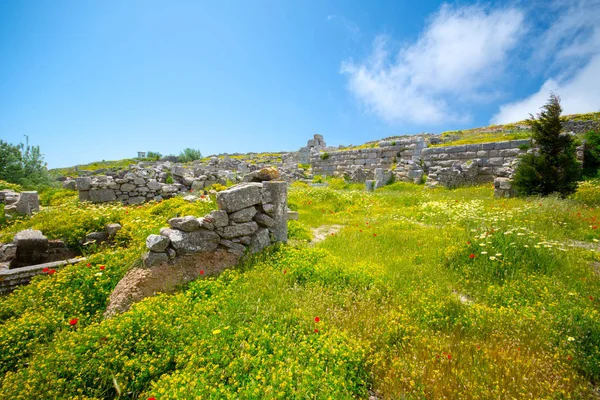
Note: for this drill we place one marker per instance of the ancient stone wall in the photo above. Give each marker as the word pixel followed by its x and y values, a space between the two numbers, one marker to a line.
pixel 251 216
pixel 384 156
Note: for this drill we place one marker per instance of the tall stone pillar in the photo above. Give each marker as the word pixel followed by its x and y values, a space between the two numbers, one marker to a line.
pixel 275 193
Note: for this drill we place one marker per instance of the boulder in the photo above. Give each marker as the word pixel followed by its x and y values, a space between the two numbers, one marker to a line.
pixel 97 237
pixel 238 197
pixel 262 175
pixel 157 243
pixel 83 183
pixel 111 229
pixel 28 203
pixel 192 242
pixel 187 223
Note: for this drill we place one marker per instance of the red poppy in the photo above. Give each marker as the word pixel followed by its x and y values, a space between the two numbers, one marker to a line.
pixel 317 319
pixel 374 235
pixel 468 242
pixel 46 270
pixel 471 256
pixel 591 298
pixel 316 330
pixel 361 230
pixel 102 267
pixel 569 358
pixel 594 227
pixel 73 321
pixel 331 233
pixel 201 272
pixel 449 356
pixel 88 265
pixel 51 271
pixel 151 398
pixel 285 271
pixel 478 347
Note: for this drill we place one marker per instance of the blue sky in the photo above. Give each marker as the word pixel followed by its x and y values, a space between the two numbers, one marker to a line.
pixel 91 80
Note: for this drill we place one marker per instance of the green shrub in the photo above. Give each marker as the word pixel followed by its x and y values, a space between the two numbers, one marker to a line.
pixel 153 155
pixel 189 154
pixel 591 160
pixel 324 156
pixel 298 231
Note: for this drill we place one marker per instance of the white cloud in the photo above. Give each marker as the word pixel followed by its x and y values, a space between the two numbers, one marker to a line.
pixel 580 94
pixel 458 57
pixel 571 46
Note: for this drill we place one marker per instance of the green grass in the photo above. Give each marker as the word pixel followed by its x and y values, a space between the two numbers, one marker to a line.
pixel 422 294
pixel 94 166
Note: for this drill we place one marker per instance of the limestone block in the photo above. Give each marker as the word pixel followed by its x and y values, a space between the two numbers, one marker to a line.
pixel 238 197
pixel 157 243
pixel 188 223
pixel 219 218
pixel 191 242
pixel 260 240
pixel 265 220
pixel 127 187
pixel 83 183
pixel 278 192
pixel 32 246
pixel 102 195
pixel 112 229
pixel 502 145
pixel 232 231
pixel 28 202
pixel 243 215
pixel 136 200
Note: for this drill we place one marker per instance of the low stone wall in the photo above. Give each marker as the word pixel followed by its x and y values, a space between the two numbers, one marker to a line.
pixel 10 279
pixel 251 216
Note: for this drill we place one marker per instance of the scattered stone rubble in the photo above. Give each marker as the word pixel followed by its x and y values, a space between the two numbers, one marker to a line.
pixel 30 247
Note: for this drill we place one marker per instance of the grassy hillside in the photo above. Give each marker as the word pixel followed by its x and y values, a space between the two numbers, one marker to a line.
pixel 421 294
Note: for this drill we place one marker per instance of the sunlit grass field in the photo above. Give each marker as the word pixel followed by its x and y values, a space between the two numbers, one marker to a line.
pixel 423 294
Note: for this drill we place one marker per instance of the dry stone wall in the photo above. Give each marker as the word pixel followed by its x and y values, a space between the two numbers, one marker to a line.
pixel 24 203
pixel 251 216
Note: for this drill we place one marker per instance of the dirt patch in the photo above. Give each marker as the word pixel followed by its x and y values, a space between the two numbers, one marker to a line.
pixel 140 283
pixel 320 233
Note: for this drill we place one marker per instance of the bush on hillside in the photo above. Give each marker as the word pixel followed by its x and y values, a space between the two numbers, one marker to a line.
pixel 189 154
pixel 554 167
pixel 154 155
pixel 23 164
pixel 591 158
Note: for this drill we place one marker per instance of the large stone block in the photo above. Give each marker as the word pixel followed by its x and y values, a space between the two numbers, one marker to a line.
pixel 243 215
pixel 232 231
pixel 102 195
pixel 157 243
pixel 187 223
pixel 240 196
pixel 278 193
pixel 32 247
pixel 28 202
pixel 83 183
pixel 191 242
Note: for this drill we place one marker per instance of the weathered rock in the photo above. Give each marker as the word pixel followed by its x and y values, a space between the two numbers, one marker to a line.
pixel 265 220
pixel 238 197
pixel 136 200
pixel 83 183
pixel 219 218
pixel 32 246
pixel 278 192
pixel 69 185
pixel 260 240
pixel 157 243
pixel 206 223
pixel 243 215
pixel 151 258
pixel 232 245
pixel 102 195
pixel 98 237
pixel 28 203
pixel 8 252
pixel 111 229
pixel 187 223
pixel 232 231
pixel 192 242
pixel 127 187
pixel 262 175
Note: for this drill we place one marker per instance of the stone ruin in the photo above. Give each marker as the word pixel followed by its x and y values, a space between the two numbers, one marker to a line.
pixel 313 146
pixel 24 203
pixel 251 216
